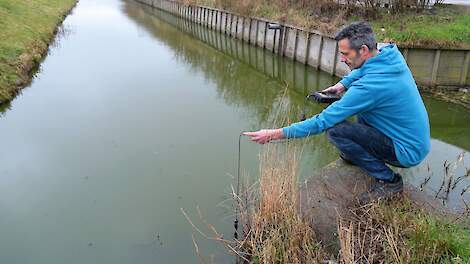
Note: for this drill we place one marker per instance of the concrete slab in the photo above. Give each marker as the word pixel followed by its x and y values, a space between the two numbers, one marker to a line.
pixel 253 31
pixel 261 32
pixel 328 54
pixel 289 49
pixel 314 50
pixel 301 52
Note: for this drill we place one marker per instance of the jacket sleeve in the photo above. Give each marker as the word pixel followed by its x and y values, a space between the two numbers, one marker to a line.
pixel 356 100
pixel 353 76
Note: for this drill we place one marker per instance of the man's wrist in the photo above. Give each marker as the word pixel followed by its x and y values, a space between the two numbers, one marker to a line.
pixel 277 134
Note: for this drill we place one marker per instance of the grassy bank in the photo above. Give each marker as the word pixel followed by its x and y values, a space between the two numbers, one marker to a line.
pixel 26 29
pixel 401 232
pixel 443 26
pixel 397 231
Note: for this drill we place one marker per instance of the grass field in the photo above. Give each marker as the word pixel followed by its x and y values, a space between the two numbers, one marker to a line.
pixel 447 26
pixel 26 29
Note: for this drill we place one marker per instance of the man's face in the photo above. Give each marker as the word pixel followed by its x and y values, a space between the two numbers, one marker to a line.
pixel 354 59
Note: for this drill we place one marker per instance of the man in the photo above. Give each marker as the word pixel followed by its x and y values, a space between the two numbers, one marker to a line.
pixel 392 123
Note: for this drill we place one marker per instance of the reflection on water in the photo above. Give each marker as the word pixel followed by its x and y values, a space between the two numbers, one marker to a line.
pixel 132 119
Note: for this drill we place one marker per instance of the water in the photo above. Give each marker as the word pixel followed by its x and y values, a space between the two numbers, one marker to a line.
pixel 136 114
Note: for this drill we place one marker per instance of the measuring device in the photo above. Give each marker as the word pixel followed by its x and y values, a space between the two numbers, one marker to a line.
pixel 323 98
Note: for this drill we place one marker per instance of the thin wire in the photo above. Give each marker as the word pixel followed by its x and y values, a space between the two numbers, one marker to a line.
pixel 235 222
pixel 239 155
pixel 237 210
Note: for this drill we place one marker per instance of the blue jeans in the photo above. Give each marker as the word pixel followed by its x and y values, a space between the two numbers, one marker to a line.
pixel 366 147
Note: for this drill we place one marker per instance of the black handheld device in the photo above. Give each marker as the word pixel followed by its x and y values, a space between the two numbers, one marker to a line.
pixel 323 98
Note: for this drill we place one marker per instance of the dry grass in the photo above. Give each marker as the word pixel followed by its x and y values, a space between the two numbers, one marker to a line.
pixel 323 15
pixel 274 231
pixel 400 232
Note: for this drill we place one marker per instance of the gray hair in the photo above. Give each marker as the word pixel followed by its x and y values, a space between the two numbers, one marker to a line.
pixel 358 34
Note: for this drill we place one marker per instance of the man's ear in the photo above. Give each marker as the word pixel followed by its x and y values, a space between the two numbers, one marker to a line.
pixel 363 50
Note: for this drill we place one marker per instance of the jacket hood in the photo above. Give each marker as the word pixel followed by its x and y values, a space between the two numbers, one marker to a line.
pixel 388 60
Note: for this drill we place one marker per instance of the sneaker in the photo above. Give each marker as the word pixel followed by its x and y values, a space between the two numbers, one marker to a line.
pixel 382 190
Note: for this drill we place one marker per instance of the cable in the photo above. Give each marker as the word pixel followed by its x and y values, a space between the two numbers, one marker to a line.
pixel 237 210
pixel 235 222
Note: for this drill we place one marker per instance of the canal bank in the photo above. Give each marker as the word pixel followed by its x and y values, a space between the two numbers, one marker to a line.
pixel 27 28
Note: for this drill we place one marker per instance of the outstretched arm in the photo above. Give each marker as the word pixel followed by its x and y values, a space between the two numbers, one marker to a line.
pixel 356 100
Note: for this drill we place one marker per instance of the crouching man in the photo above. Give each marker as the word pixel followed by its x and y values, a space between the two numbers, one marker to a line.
pixel 392 124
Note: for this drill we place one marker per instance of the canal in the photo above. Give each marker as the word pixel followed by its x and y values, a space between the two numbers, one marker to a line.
pixel 136 113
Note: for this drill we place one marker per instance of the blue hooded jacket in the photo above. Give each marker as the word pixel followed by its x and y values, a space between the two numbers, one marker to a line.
pixel 383 92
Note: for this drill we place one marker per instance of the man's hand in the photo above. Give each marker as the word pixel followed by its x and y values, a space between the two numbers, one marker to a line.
pixel 335 89
pixel 265 135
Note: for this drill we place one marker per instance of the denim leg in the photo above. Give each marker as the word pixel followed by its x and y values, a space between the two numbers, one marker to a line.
pixel 366 147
